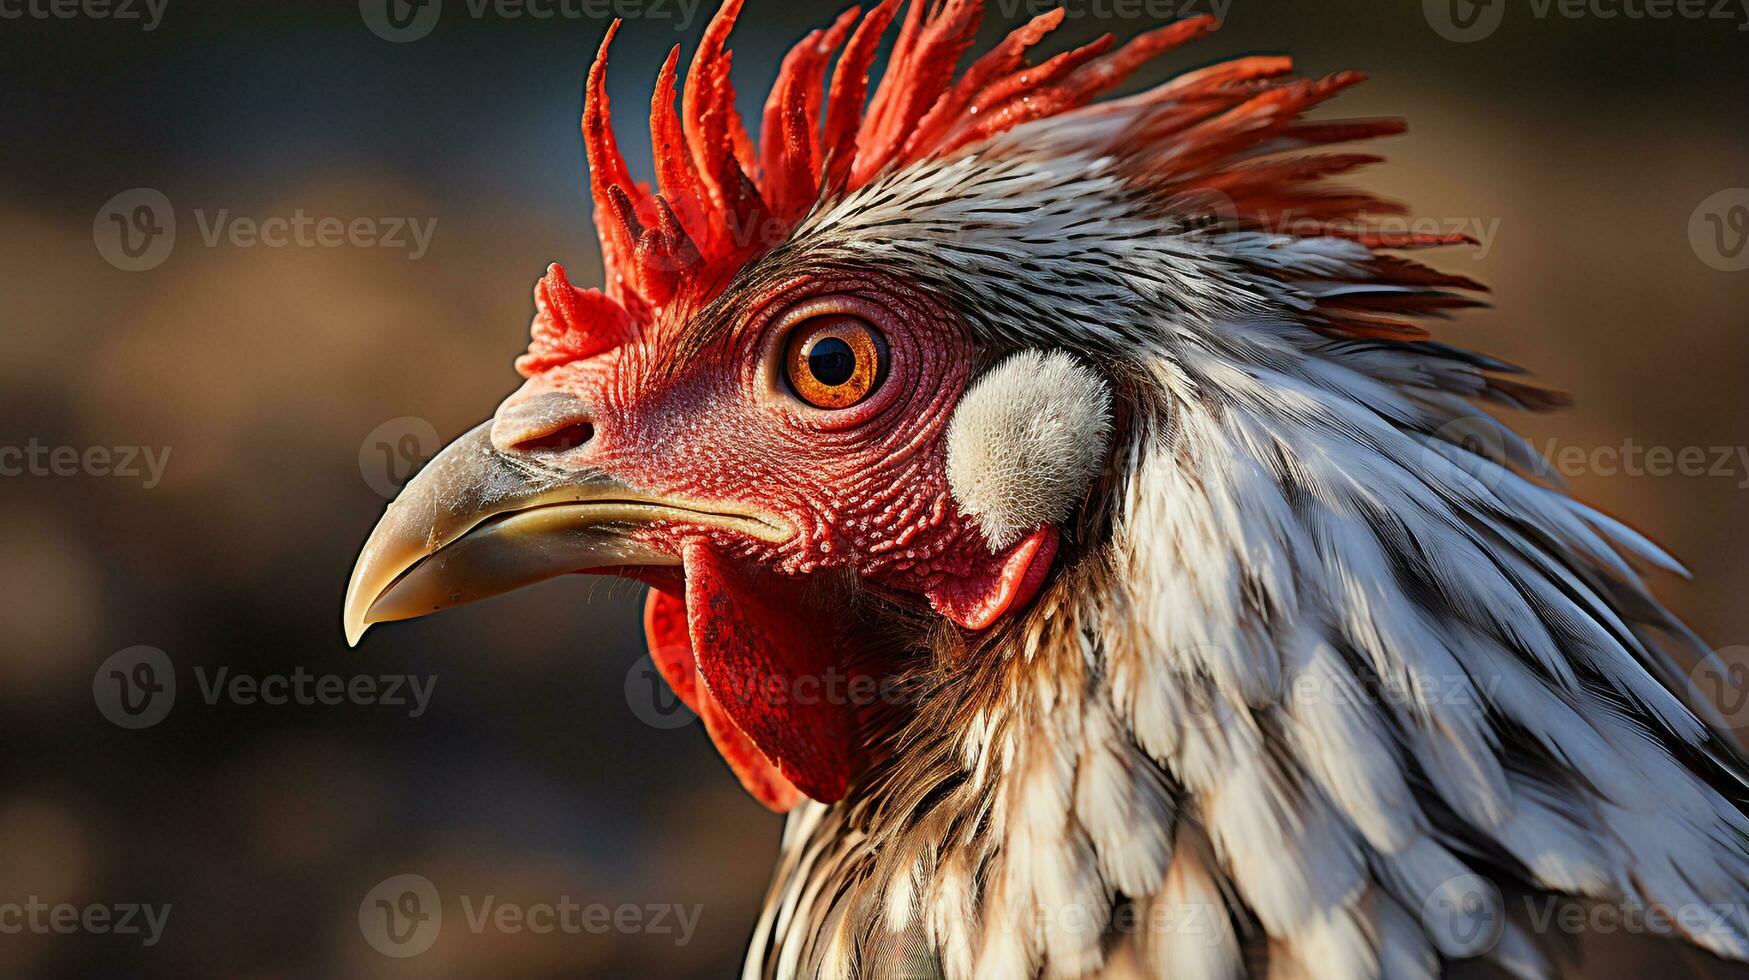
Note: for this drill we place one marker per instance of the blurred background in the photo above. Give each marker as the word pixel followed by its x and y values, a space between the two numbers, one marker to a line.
pixel 204 422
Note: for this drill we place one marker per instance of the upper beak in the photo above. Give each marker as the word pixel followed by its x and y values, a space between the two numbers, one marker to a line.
pixel 476 522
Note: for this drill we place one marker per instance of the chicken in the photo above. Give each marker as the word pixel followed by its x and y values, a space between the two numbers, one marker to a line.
pixel 1056 508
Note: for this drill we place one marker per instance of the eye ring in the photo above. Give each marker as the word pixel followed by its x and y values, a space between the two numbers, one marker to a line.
pixel 834 361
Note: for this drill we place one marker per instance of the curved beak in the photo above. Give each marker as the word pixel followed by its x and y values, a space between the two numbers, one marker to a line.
pixel 476 523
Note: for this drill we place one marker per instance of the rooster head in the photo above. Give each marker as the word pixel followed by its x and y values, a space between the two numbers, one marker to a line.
pixel 1049 485
pixel 770 424
pixel 769 412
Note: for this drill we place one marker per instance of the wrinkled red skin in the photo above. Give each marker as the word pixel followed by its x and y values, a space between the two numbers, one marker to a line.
pixel 864 489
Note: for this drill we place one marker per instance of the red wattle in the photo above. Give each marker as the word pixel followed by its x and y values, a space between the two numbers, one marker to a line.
pixel 670 641
pixel 769 660
pixel 977 602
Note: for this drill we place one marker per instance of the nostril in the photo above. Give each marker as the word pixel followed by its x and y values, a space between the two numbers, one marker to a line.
pixel 547 423
pixel 559 440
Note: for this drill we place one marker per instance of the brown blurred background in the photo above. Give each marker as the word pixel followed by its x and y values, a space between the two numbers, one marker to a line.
pixel 293 385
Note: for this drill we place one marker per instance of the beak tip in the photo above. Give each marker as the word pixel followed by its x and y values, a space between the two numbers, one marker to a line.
pixel 353 624
pixel 355 613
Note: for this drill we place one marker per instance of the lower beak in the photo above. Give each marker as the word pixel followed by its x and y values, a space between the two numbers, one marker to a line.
pixel 476 523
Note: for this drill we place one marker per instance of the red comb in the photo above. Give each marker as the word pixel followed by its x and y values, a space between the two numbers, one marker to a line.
pixel 1213 134
pixel 720 201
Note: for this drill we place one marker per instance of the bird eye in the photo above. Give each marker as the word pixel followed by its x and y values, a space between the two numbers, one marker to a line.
pixel 835 361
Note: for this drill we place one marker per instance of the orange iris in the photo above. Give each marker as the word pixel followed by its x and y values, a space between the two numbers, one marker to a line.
pixel 834 361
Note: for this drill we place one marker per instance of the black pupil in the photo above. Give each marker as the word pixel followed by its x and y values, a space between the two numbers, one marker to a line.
pixel 831 361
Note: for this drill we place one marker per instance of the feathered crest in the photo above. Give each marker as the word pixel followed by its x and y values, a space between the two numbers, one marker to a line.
pixel 1217 141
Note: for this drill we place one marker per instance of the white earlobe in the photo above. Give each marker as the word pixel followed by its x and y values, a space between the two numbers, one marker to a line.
pixel 1026 441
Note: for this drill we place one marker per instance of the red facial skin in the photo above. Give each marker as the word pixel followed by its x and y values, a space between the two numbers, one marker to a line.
pixel 864 489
